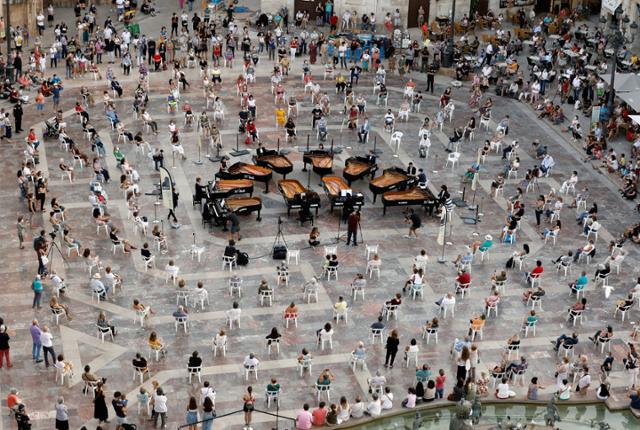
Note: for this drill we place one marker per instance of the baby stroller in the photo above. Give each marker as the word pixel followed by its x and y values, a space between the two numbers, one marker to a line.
pixel 50 131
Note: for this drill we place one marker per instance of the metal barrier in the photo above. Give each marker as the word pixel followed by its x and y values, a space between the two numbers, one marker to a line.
pixel 276 427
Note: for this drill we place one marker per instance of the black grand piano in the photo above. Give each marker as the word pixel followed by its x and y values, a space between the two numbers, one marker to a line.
pixel 321 161
pixel 223 188
pixel 393 178
pixel 217 210
pixel 295 194
pixel 414 196
pixel 242 170
pixel 357 168
pixel 337 189
pixel 273 160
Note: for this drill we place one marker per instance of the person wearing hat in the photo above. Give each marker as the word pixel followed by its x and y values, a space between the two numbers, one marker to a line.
pixel 483 246
pixel 98 286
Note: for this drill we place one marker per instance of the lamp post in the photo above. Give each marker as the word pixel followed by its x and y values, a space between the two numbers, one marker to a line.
pixel 7 33
pixel 447 61
pixel 616 38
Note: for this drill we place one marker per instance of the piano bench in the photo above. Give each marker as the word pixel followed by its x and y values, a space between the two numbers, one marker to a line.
pixel 196 202
pixel 304 219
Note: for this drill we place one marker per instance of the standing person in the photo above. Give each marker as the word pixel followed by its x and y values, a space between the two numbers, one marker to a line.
pixel 249 399
pixel 17 116
pixel 208 414
pixel 62 415
pixel 352 227
pixel 37 288
pixel 415 221
pixel 100 411
pixel 160 408
pixel 36 342
pixel 192 413
pixel 234 230
pixel 4 347
pixel 21 229
pixel 119 404
pixel 171 214
pixel 431 74
pixel 392 348
pixel 46 339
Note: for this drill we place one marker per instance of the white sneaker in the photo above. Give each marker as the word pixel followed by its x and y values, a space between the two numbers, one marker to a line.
pixel 406 236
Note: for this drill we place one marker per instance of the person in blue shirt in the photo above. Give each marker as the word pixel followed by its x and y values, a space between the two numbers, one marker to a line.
pixel 580 283
pixel 635 400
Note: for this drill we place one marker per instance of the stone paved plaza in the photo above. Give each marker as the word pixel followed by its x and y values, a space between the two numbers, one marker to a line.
pixel 77 340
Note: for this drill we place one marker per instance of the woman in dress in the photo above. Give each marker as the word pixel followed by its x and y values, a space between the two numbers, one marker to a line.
pixel 100 411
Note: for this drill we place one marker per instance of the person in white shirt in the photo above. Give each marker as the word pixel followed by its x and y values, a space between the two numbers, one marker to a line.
pixel 46 338
pixel 200 294
pixel 207 391
pixel 58 282
pixel 251 361
pixel 387 399
pixel 159 408
pixel 376 381
pixel 374 408
pixel 420 260
pixel 410 400
pixel 584 382
pixel 502 390
pixel 357 409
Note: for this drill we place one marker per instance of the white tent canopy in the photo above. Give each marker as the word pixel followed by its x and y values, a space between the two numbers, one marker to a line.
pixel 632 99
pixel 635 118
pixel 624 82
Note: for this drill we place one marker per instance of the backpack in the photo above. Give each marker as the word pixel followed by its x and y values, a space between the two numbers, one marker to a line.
pixel 243 259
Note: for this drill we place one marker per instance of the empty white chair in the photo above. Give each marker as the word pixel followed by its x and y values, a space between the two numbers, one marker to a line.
pixel 293 253
pixel 453 158
pixel 396 139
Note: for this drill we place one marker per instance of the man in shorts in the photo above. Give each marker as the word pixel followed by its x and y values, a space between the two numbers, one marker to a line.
pixel 415 221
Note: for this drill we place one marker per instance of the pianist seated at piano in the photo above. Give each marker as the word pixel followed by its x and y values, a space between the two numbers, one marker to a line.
pixel 422 178
pixel 200 191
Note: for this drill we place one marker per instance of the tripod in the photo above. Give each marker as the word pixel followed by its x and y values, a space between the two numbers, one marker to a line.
pixel 279 235
pixel 55 246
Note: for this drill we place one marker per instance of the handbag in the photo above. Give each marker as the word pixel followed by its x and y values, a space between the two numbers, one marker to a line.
pixel 44 260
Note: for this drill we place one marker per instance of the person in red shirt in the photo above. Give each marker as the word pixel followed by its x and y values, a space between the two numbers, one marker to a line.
pixel 463 277
pixel 252 130
pixel 319 415
pixel 353 220
pixel 13 399
pixel 536 272
pixel 334 22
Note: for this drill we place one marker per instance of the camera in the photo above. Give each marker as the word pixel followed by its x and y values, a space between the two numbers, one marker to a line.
pixel 53 235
